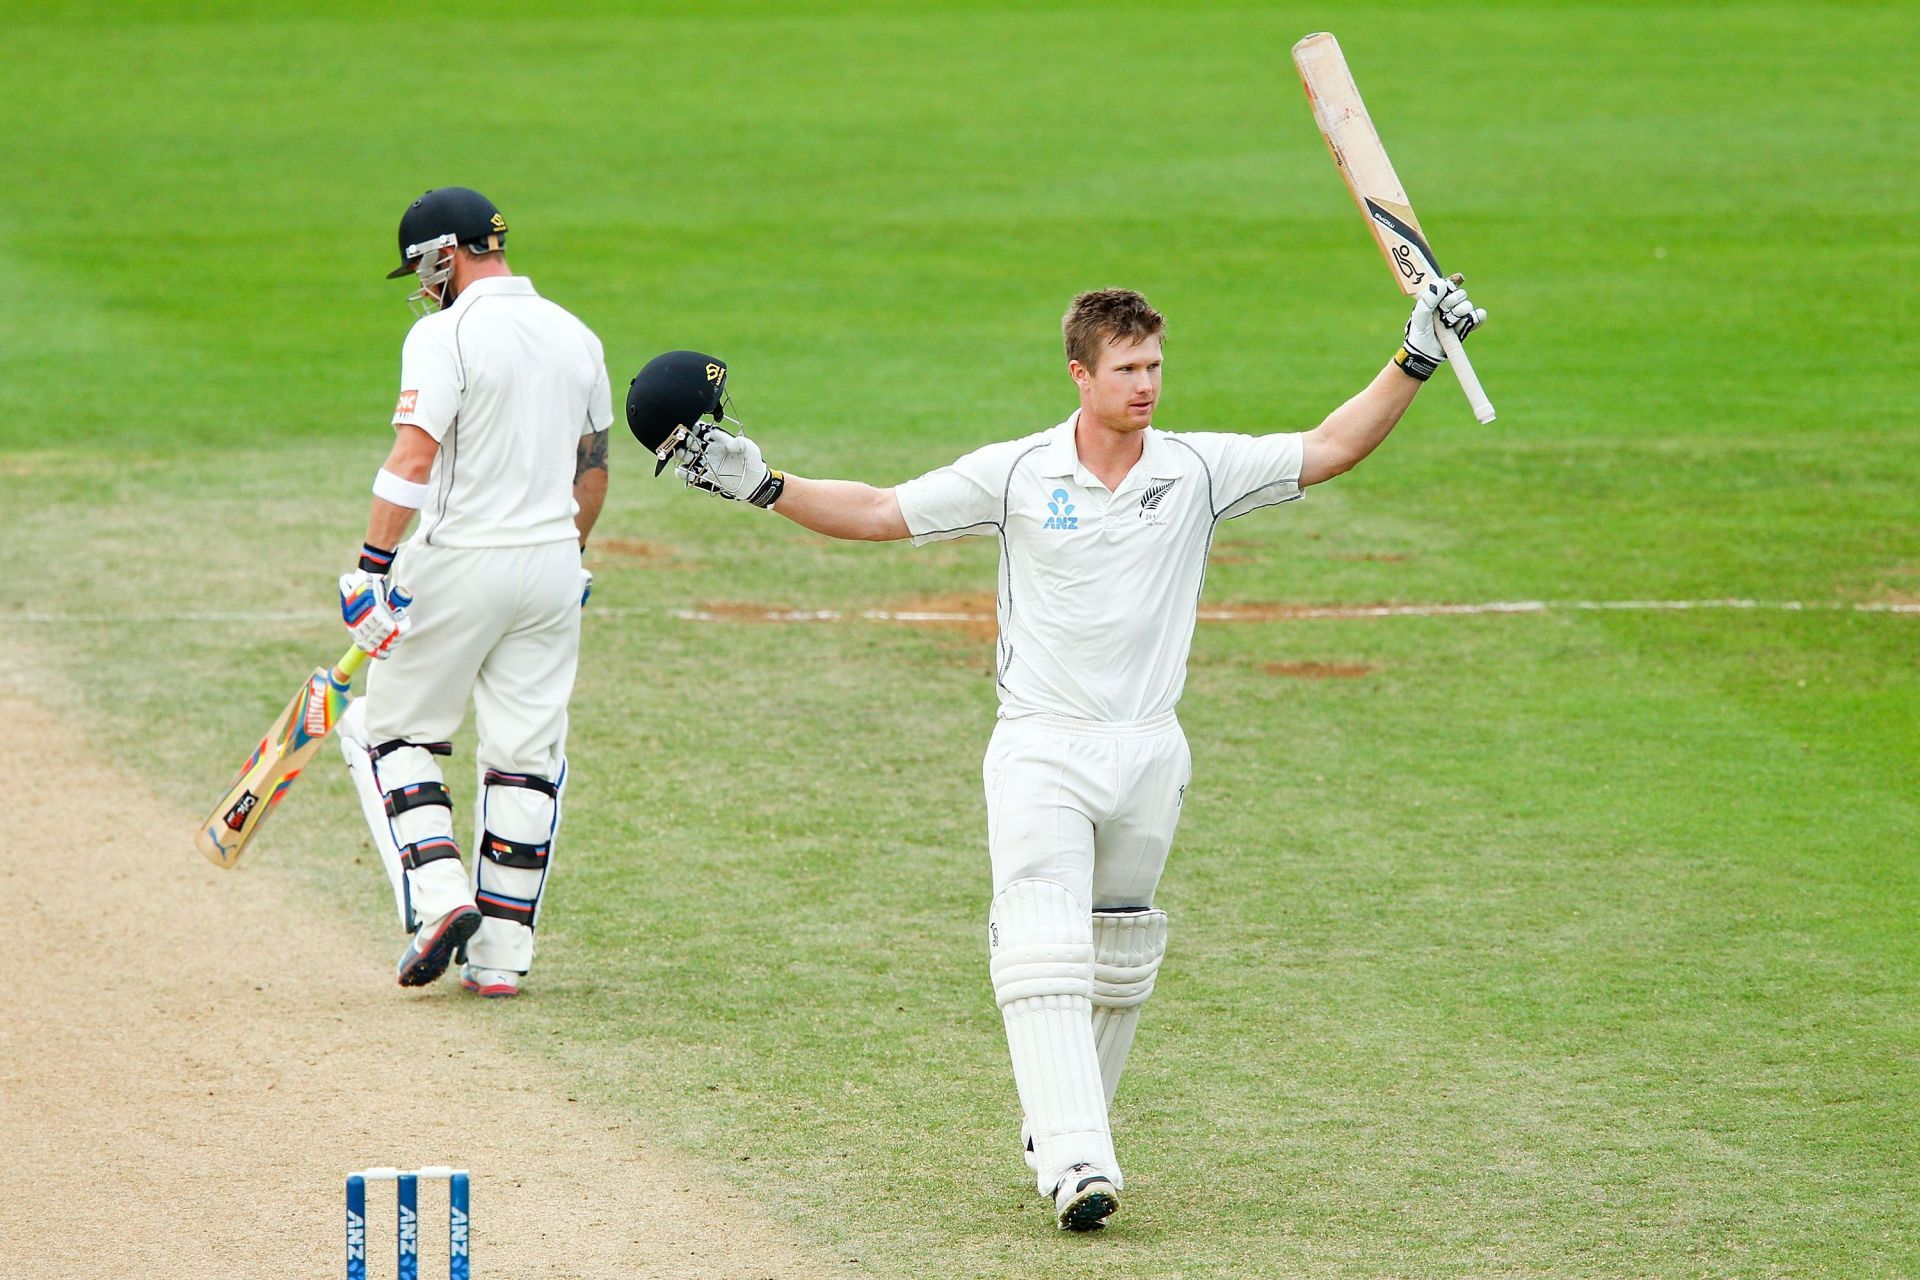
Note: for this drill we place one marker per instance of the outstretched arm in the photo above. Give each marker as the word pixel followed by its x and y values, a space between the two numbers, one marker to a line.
pixel 732 467
pixel 842 509
pixel 1356 428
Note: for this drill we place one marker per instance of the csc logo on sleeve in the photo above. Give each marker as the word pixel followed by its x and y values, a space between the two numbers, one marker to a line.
pixel 408 401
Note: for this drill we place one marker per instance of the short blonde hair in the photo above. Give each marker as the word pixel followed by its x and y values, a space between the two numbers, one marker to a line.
pixel 1100 316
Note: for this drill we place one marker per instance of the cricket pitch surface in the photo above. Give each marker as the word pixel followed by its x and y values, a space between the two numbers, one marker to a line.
pixel 192 1062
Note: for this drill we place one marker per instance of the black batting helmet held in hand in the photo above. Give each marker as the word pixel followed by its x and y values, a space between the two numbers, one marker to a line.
pixel 675 390
pixel 460 212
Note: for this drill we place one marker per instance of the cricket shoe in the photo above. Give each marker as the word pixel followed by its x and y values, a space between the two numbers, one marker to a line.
pixel 434 943
pixel 1085 1199
pixel 494 984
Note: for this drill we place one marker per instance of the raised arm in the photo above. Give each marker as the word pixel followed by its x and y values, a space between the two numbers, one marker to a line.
pixel 1356 428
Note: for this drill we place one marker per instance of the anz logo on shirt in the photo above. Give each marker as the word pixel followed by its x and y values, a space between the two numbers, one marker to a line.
pixel 1061 512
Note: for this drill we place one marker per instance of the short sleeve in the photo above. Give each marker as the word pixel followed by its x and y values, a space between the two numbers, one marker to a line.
pixel 600 399
pixel 966 497
pixel 1250 472
pixel 430 381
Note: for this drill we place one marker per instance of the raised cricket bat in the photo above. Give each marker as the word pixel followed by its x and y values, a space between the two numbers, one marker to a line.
pixel 268 773
pixel 1369 175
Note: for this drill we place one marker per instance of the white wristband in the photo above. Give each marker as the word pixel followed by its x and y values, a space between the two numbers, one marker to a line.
pixel 399 491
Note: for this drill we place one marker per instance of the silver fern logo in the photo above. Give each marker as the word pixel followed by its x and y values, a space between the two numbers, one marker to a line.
pixel 1155 494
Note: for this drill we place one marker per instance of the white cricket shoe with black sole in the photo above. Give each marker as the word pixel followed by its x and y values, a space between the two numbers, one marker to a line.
pixel 1085 1199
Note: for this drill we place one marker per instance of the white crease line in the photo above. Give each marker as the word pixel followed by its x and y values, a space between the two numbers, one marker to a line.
pixel 1295 613
pixel 1258 613
pixel 85 619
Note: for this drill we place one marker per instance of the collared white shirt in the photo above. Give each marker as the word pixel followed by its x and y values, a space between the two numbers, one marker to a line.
pixel 1099 590
pixel 507 382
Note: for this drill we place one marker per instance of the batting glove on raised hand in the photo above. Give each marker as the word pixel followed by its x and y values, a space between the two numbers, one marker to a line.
pixel 731 466
pixel 374 611
pixel 1443 303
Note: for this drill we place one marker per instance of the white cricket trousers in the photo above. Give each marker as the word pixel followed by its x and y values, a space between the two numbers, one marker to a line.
pixel 499 625
pixel 1080 817
pixel 1087 803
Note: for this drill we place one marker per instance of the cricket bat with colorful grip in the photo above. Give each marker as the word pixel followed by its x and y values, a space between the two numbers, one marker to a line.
pixel 285 750
pixel 1363 164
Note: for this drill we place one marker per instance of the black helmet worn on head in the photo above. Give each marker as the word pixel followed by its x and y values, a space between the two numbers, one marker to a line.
pixel 675 390
pixel 460 212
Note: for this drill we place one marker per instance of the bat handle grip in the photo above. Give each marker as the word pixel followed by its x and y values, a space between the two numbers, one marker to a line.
pixel 1463 369
pixel 349 663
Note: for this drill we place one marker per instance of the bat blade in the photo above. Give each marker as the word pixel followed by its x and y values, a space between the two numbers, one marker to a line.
pixel 1361 157
pixel 290 742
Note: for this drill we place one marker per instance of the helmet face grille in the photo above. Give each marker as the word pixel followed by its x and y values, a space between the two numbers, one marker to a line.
pixel 412 252
pixel 434 266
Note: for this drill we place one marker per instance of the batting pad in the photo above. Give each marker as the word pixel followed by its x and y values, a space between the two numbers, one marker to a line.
pixel 1041 943
pixel 1128 944
pixel 518 820
pixel 398 793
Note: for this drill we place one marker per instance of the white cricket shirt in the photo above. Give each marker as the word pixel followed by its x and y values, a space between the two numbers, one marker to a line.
pixel 507 382
pixel 1099 591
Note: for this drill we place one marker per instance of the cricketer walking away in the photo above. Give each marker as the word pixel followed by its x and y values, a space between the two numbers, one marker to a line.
pixel 500 449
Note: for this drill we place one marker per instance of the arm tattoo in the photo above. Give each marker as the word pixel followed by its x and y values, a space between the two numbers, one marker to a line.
pixel 591 455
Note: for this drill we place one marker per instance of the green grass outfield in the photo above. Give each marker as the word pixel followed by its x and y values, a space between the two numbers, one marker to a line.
pixel 1569 944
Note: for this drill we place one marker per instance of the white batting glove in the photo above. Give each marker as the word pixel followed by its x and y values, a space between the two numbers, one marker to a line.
pixel 731 466
pixel 1443 303
pixel 375 612
pixel 1456 311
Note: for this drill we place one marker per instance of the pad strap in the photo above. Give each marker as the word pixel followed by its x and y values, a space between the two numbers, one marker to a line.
pixel 531 781
pixel 515 853
pixel 417 795
pixel 502 907
pixel 433 849
pixel 431 748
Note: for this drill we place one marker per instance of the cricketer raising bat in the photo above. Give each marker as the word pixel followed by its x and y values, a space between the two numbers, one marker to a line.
pixel 268 773
pixel 1369 175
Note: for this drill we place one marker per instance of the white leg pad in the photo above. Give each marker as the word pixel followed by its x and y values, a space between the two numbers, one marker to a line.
pixel 1128 946
pixel 415 839
pixel 518 819
pixel 1041 943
